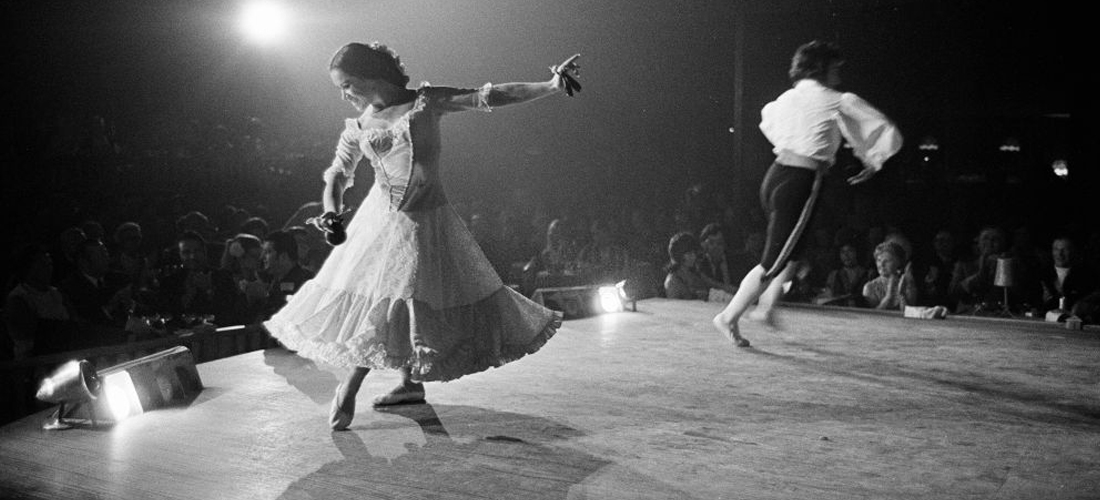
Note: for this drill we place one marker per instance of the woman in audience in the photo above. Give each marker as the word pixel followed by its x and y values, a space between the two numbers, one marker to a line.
pixel 242 259
pixel 845 284
pixel 36 315
pixel 894 288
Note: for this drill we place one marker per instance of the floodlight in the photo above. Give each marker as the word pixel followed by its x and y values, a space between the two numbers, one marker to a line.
pixel 263 21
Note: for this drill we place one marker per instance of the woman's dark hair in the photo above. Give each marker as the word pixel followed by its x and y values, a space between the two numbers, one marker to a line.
pixel 679 246
pixel 374 61
pixel 283 242
pixel 812 60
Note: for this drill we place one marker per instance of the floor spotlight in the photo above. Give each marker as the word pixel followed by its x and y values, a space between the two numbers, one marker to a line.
pixel 73 384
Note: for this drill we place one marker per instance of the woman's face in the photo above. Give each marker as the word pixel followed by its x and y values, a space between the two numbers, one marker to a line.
pixel 689 259
pixel 887 264
pixel 848 256
pixel 251 260
pixel 360 92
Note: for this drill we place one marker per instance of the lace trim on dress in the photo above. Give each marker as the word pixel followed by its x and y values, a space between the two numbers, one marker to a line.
pixel 381 336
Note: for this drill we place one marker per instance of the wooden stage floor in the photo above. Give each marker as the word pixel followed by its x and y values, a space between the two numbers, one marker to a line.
pixel 652 404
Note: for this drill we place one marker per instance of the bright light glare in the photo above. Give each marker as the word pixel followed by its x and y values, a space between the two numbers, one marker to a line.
pixel 121 395
pixel 263 22
pixel 609 299
pixel 1061 168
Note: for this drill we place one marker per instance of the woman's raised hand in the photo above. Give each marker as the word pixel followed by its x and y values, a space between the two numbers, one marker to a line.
pixel 565 75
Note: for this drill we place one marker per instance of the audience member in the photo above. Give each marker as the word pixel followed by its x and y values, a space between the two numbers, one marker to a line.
pixel 129 257
pixel 603 259
pixel 748 257
pixel 195 288
pixel 36 315
pixel 98 296
pixel 68 244
pixel 844 285
pixel 972 282
pixel 256 226
pixel 282 276
pixel 1068 277
pixel 243 258
pixel 683 280
pixel 714 262
pixel 936 271
pixel 894 288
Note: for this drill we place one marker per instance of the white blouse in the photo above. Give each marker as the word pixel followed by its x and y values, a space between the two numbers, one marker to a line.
pixel 809 120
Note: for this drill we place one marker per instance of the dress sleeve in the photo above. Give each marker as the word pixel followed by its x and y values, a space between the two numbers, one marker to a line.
pixel 450 99
pixel 874 138
pixel 348 154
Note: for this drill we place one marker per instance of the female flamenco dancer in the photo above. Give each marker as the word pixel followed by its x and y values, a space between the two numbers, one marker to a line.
pixel 805 125
pixel 409 289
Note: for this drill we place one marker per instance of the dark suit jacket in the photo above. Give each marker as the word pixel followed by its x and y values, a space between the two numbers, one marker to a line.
pixel 1080 281
pixel 224 300
pixel 90 301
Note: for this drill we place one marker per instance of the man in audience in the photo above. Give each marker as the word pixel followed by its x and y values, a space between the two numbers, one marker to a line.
pixel 714 262
pixel 1068 277
pixel 196 288
pixel 98 296
pixel 972 282
pixel 283 274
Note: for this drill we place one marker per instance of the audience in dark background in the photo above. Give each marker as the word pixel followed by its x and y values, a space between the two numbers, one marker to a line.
pixel 212 224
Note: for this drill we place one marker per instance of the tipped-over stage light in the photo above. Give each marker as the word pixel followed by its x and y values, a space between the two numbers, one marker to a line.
pixel 73 384
pixel 581 301
pixel 165 378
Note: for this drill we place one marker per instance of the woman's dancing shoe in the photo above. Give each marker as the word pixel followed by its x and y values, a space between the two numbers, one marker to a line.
pixel 400 396
pixel 340 415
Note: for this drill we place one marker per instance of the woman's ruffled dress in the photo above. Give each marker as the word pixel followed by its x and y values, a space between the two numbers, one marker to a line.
pixel 410 286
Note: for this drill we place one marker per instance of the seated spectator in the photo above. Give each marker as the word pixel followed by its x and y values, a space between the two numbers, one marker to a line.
pixel 243 258
pixel 844 285
pixel 312 247
pixel 972 281
pixel 1068 277
pixel 98 296
pixel 894 288
pixel 821 258
pixel 603 259
pixel 1027 267
pixel 742 261
pixel 129 257
pixel 936 271
pixel 282 276
pixel 683 280
pixel 256 226
pixel 36 315
pixel 64 256
pixel 195 288
pixel 556 264
pixel 714 262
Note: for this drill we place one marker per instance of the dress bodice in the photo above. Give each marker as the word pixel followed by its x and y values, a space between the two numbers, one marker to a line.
pixel 405 155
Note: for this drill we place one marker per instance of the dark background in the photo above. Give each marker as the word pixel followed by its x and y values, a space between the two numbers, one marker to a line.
pixel 665 83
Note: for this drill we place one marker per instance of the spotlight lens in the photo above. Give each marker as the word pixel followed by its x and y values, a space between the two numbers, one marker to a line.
pixel 609 299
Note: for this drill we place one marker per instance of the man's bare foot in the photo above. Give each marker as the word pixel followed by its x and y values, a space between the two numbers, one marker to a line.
pixel 765 317
pixel 730 330
pixel 404 393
